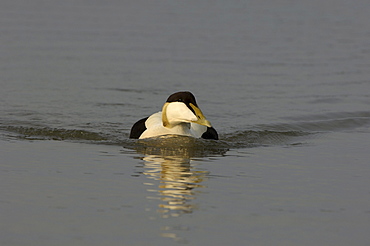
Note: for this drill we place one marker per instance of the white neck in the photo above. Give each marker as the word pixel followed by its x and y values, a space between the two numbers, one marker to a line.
pixel 177 113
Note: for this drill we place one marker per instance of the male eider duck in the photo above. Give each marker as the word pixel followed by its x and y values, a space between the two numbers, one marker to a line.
pixel 180 115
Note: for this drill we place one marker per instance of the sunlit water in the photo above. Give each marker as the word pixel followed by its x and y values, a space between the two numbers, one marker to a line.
pixel 285 84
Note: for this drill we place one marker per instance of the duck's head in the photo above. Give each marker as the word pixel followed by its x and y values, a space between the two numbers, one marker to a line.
pixel 181 107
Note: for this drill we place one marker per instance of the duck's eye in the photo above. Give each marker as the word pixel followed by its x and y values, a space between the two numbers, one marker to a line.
pixel 179 100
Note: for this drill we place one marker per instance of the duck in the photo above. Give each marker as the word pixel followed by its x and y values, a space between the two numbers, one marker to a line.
pixel 180 115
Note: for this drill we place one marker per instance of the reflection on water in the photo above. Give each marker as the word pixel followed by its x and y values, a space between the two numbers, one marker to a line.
pixel 174 181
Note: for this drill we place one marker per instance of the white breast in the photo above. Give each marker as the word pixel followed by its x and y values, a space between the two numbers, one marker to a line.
pixel 155 128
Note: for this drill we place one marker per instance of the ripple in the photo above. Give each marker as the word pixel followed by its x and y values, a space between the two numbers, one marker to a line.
pixel 45 133
pixel 295 132
pixel 185 146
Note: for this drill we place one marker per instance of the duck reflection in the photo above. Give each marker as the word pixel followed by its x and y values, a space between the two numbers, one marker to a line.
pixel 176 180
pixel 177 184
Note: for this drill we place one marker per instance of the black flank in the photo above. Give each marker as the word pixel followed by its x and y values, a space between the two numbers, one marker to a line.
pixel 211 133
pixel 138 128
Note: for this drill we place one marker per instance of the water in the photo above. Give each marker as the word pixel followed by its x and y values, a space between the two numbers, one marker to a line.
pixel 286 84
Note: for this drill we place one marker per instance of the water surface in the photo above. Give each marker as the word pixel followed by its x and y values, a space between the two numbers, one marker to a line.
pixel 285 84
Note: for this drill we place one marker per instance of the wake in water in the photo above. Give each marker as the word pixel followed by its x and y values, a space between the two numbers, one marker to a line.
pixel 295 133
pixel 45 133
pixel 239 139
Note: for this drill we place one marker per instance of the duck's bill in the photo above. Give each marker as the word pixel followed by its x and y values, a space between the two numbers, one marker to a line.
pixel 201 119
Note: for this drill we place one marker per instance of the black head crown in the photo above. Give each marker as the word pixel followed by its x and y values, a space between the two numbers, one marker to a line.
pixel 183 96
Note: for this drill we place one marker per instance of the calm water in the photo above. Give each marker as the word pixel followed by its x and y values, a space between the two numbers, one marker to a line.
pixel 285 83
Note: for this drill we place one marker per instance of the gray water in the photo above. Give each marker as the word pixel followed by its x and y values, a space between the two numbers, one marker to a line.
pixel 285 83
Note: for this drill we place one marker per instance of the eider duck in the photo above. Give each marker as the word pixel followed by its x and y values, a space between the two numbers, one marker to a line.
pixel 180 115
